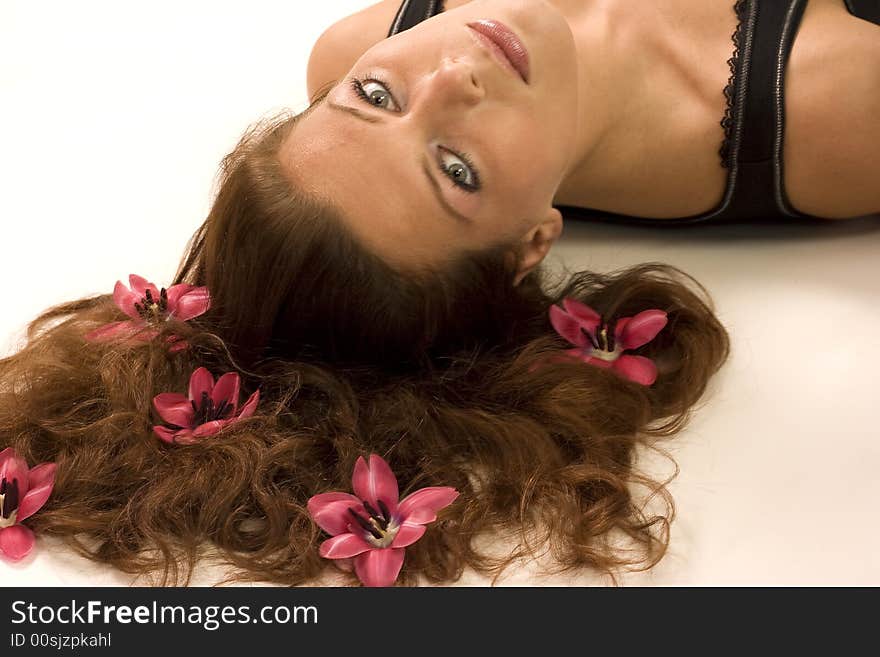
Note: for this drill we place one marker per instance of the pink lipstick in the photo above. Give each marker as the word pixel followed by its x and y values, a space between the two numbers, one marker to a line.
pixel 508 42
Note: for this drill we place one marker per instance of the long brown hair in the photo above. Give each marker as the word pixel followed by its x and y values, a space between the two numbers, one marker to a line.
pixel 431 369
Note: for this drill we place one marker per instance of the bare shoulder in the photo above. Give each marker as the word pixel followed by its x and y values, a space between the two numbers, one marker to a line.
pixel 832 101
pixel 341 44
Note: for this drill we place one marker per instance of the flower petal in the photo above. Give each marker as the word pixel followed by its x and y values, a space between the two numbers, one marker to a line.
pixel 185 437
pixel 330 511
pixel 111 330
pixel 139 285
pixel 343 547
pixel 200 381
pixel 40 484
pixel 143 333
pixel 374 482
pixel 16 542
pixel 317 502
pixel 175 292
pixel 422 506
pixel 166 434
pixel 12 466
pixel 636 368
pixel 584 314
pixel 250 405
pixel 125 300
pixel 227 389
pixel 174 408
pixel 209 428
pixel 177 345
pixel 407 535
pixel 633 332
pixel 41 474
pixel 567 326
pixel 379 567
pixel 189 303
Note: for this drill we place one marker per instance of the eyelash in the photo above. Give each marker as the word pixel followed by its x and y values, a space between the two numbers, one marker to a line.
pixel 356 85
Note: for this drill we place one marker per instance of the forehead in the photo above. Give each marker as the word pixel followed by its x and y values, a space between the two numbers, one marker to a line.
pixel 374 179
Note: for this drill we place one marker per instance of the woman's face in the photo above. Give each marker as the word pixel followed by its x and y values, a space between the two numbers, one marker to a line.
pixel 449 150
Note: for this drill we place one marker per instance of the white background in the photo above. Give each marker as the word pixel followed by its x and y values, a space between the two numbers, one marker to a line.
pixel 115 116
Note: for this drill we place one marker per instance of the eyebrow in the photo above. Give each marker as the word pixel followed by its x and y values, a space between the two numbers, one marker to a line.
pixel 435 186
pixel 363 116
pixel 439 193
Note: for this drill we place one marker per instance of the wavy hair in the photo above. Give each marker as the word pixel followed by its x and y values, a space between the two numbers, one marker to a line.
pixel 431 369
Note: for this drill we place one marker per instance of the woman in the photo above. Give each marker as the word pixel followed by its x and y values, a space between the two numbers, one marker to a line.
pixel 353 312
pixel 654 116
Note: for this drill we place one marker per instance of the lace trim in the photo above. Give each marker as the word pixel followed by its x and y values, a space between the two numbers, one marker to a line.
pixel 730 88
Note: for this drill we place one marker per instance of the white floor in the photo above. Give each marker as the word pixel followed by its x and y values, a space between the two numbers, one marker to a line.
pixel 115 117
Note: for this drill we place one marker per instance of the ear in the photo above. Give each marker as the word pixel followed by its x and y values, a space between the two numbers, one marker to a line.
pixel 537 242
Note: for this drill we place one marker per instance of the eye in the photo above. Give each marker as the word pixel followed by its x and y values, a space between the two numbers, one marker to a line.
pixel 374 91
pixel 459 169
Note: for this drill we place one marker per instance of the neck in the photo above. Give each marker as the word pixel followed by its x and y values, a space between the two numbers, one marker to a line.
pixel 606 70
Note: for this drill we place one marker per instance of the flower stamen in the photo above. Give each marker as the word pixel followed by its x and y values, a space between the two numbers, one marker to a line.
pixel 608 349
pixel 150 308
pixel 365 525
pixel 384 509
pixel 205 410
pixel 381 527
pixel 8 502
pixel 590 337
pixel 380 520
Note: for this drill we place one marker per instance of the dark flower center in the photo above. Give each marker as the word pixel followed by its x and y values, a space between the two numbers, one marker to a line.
pixel 150 308
pixel 205 411
pixel 605 334
pixel 380 527
pixel 8 501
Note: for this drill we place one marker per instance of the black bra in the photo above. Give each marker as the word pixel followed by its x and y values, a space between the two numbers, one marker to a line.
pixel 413 12
pixel 754 123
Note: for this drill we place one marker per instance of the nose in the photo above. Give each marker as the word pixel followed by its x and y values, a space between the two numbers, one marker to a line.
pixel 454 83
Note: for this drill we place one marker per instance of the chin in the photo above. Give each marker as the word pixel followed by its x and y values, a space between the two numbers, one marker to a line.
pixel 537 19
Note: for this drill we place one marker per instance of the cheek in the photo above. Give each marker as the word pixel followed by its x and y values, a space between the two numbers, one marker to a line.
pixel 531 164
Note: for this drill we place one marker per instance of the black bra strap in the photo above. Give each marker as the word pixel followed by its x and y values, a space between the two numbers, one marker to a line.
pixel 413 12
pixel 867 9
pixel 760 131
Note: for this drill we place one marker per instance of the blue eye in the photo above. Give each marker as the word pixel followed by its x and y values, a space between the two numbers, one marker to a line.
pixel 370 95
pixel 462 172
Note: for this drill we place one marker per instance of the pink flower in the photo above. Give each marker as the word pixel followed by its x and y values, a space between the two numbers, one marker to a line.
pixel 371 525
pixel 208 409
pixel 146 304
pixel 22 493
pixel 578 324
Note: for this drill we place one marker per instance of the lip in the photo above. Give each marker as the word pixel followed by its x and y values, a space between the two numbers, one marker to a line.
pixel 504 44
